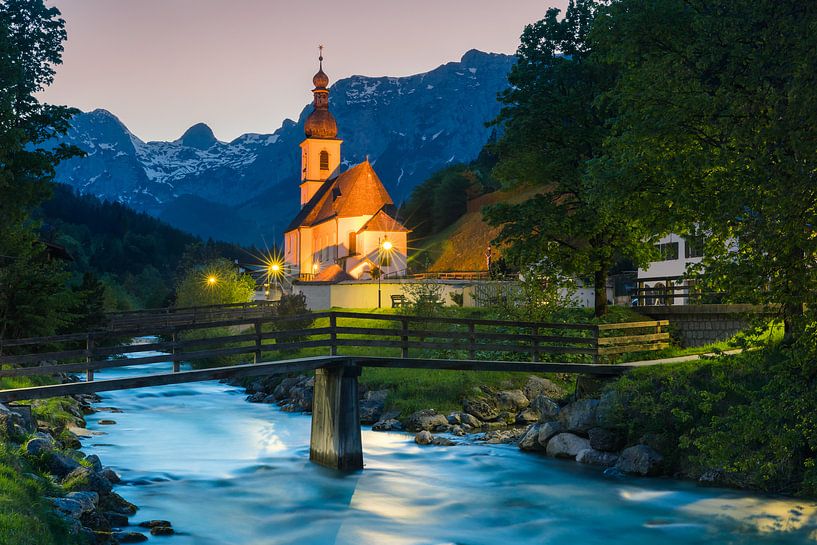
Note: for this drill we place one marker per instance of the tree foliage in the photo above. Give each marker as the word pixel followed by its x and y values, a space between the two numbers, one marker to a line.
pixel 33 296
pixel 716 129
pixel 214 283
pixel 555 127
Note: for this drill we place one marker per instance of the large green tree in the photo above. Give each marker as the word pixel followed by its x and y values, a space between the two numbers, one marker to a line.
pixel 33 296
pixel 716 130
pixel 555 127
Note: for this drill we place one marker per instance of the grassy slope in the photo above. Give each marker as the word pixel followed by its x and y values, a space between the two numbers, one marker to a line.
pixel 26 518
pixel 461 246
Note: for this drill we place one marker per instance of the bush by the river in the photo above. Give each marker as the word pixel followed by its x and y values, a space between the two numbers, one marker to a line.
pixel 748 420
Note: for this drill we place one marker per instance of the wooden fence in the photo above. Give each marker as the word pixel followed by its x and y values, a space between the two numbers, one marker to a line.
pixel 333 333
pixel 138 320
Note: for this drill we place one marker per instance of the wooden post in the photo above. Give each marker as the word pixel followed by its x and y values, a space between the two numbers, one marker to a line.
pixel 333 335
pixel 535 331
pixel 596 333
pixel 472 341
pixel 89 356
pixel 335 440
pixel 176 363
pixel 404 337
pixel 257 355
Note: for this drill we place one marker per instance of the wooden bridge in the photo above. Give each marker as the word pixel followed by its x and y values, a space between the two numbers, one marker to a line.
pixel 278 345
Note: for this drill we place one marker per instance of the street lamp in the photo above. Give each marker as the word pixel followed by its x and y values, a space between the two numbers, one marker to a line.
pixel 383 257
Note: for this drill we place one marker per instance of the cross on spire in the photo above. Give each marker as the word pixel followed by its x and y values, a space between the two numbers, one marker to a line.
pixel 320 55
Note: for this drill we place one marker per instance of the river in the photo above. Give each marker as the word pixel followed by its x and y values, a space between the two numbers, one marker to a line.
pixel 228 472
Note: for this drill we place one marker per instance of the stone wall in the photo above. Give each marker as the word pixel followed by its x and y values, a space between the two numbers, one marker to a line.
pixel 697 325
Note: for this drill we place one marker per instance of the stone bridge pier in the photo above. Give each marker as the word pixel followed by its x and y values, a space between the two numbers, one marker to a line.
pixel 335 440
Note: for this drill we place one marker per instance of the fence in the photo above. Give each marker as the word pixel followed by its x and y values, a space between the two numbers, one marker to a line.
pixel 136 320
pixel 395 336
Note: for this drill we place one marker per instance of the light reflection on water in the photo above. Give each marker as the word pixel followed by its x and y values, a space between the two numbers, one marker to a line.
pixel 225 471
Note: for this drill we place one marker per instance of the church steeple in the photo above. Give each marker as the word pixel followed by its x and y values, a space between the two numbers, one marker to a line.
pixel 320 123
pixel 320 152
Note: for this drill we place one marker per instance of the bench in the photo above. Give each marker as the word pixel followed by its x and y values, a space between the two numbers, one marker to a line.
pixel 398 301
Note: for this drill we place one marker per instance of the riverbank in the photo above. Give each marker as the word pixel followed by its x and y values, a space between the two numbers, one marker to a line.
pixel 50 491
pixel 743 421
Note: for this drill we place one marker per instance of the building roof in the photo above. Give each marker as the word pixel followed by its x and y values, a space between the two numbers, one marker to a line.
pixel 382 221
pixel 356 192
pixel 332 273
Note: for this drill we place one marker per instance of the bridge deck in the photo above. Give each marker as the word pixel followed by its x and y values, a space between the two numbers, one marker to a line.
pixel 300 365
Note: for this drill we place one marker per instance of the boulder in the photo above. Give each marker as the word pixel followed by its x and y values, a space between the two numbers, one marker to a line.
pixel 528 416
pixel 423 438
pixel 111 475
pixel 75 505
pixel 60 465
pixel 454 419
pixel 281 391
pixel 504 436
pixel 391 424
pixel 15 424
pixel 116 519
pixel 469 420
pixel 85 478
pixel 566 445
pixel 530 441
pixel 640 460
pixel 546 408
pixel 442 441
pixel 595 457
pixel 579 416
pixel 607 408
pixel 482 408
pixel 426 420
pixel 457 430
pixel 115 503
pixel 537 386
pixel 40 443
pixel 548 430
pixel 95 462
pixel 372 406
pixel 606 440
pixel 162 531
pixel 257 397
pixel 512 400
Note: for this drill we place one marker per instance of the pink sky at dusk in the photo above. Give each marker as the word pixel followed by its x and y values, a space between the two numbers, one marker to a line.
pixel 245 65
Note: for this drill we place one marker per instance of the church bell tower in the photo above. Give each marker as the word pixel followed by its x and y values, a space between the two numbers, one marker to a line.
pixel 320 151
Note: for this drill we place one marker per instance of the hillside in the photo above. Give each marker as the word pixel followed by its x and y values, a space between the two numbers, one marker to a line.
pixel 461 246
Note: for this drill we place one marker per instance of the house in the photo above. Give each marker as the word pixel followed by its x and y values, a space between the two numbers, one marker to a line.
pixel 347 227
pixel 661 283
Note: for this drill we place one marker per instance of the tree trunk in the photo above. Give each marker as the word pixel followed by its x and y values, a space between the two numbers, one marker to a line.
pixel 600 285
pixel 792 321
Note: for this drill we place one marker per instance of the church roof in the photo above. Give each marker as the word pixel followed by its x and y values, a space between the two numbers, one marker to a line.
pixel 382 221
pixel 332 273
pixel 356 192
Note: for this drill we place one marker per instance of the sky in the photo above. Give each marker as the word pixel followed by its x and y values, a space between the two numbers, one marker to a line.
pixel 245 65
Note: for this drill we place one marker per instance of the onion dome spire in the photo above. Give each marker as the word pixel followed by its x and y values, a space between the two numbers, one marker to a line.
pixel 320 123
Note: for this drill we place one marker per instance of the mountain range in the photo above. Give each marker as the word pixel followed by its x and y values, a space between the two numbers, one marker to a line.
pixel 246 190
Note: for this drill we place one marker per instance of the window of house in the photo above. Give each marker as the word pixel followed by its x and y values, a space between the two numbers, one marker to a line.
pixel 324 160
pixel 667 251
pixel 694 247
pixel 352 243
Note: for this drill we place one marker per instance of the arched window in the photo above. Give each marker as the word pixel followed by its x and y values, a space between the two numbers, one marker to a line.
pixel 324 160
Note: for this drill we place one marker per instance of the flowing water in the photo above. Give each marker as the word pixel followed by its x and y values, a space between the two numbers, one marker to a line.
pixel 229 472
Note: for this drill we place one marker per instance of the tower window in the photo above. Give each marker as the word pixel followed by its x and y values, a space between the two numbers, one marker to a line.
pixel 352 243
pixel 324 160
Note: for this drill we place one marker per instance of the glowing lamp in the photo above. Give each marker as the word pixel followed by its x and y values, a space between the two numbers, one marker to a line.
pixel 387 245
pixel 212 280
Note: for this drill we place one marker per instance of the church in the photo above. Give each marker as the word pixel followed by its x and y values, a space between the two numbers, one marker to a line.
pixel 347 227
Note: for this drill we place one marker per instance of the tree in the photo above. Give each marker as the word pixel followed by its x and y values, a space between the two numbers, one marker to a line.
pixel 717 131
pixel 214 283
pixel 34 298
pixel 555 128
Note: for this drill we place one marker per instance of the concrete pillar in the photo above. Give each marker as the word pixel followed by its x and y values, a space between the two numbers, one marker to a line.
pixel 335 441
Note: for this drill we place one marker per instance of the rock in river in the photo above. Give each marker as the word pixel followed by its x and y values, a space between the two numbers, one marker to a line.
pixel 640 460
pixel 423 438
pixel 426 420
pixel 566 445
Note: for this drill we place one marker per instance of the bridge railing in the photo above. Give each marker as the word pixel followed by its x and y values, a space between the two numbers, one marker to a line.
pixel 333 333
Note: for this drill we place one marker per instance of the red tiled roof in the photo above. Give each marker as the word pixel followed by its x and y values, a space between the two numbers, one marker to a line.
pixel 332 273
pixel 382 221
pixel 356 192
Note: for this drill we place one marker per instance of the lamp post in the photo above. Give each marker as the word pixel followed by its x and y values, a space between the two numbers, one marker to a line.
pixel 383 255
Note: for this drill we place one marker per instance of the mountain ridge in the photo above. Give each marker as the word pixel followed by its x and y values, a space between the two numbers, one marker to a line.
pixel 408 126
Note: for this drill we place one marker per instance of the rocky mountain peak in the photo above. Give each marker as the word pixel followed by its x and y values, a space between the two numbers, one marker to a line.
pixel 199 136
